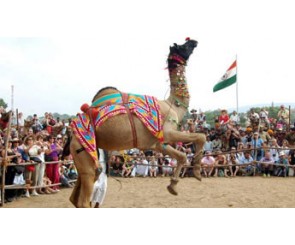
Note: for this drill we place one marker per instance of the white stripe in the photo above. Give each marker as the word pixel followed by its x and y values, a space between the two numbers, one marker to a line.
pixel 230 73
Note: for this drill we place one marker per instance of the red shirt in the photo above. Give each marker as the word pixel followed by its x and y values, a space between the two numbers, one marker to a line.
pixel 224 118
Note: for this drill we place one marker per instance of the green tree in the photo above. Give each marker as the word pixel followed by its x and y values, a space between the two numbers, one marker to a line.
pixel 2 103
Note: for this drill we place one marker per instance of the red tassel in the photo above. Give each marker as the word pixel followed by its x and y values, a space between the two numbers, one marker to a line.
pixel 187 39
pixel 84 107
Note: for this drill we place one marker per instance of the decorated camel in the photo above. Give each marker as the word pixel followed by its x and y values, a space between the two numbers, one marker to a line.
pixel 119 121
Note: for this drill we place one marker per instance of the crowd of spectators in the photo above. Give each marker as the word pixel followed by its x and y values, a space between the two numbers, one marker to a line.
pixel 262 147
pixel 229 150
pixel 31 145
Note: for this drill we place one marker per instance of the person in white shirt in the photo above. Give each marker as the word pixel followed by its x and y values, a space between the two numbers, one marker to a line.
pixel 100 185
pixel 234 118
pixel 207 164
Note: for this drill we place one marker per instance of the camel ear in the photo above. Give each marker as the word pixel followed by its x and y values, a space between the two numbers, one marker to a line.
pixel 175 45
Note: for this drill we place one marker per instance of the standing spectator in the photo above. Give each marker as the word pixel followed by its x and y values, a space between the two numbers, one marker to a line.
pixel 21 123
pixel 52 170
pixel 283 115
pixel 44 150
pixel 264 116
pixel 257 143
pixel 10 171
pixel 208 146
pixel 234 118
pixel 37 126
pixel 32 171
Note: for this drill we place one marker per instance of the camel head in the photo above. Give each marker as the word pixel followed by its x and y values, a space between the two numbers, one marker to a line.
pixel 179 54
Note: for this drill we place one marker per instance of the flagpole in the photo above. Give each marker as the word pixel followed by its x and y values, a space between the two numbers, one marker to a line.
pixel 237 87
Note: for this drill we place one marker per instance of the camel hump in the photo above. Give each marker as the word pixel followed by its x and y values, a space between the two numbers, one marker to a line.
pixel 105 91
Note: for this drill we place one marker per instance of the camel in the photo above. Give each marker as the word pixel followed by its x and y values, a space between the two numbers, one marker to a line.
pixel 116 133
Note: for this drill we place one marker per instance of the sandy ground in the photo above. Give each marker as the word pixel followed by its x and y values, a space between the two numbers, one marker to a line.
pixel 239 192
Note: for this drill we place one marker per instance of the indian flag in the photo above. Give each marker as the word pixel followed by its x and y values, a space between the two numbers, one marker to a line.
pixel 229 78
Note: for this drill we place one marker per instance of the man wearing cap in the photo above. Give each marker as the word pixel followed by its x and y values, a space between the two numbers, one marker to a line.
pixel 281 170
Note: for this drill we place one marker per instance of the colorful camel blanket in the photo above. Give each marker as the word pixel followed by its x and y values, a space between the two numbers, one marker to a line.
pixel 146 108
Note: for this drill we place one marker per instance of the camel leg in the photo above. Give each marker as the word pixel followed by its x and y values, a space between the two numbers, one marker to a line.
pixel 86 176
pixel 76 192
pixel 181 160
pixel 197 139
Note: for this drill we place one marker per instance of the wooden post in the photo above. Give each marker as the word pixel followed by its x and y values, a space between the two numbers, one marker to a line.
pixel 17 125
pixel 289 124
pixel 5 161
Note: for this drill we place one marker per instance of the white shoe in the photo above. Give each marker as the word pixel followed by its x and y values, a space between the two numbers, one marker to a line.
pixel 34 193
pixel 27 194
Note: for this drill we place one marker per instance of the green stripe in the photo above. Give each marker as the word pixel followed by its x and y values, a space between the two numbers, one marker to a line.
pixel 225 83
pixel 104 98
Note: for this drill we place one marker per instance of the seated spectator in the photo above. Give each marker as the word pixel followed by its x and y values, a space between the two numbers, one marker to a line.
pixel 64 178
pixel 117 165
pixel 220 160
pixel 153 168
pixel 127 169
pixel 142 168
pixel 233 159
pixel 47 189
pixel 207 164
pixel 223 120
pixel 281 170
pixel 167 170
pixel 267 164
pixel 247 169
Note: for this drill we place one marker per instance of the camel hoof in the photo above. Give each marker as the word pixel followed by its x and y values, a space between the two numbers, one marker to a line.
pixel 171 190
pixel 197 175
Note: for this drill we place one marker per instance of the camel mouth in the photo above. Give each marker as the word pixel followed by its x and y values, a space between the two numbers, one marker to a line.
pixel 182 52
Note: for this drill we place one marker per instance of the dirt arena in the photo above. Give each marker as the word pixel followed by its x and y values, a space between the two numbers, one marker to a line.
pixel 239 192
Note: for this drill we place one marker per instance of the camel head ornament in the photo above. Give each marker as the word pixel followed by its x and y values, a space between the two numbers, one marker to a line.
pixel 179 54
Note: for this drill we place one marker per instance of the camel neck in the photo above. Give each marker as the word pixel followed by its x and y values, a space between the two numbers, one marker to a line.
pixel 179 93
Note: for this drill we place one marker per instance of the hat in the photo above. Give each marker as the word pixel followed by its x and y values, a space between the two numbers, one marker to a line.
pixel 256 133
pixel 14 140
pixel 59 136
pixel 270 131
pixel 282 153
pixel 193 110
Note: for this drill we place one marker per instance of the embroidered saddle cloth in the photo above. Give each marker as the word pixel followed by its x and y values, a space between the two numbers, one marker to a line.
pixel 146 108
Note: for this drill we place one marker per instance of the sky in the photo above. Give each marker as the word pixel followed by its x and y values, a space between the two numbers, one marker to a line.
pixel 58 54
